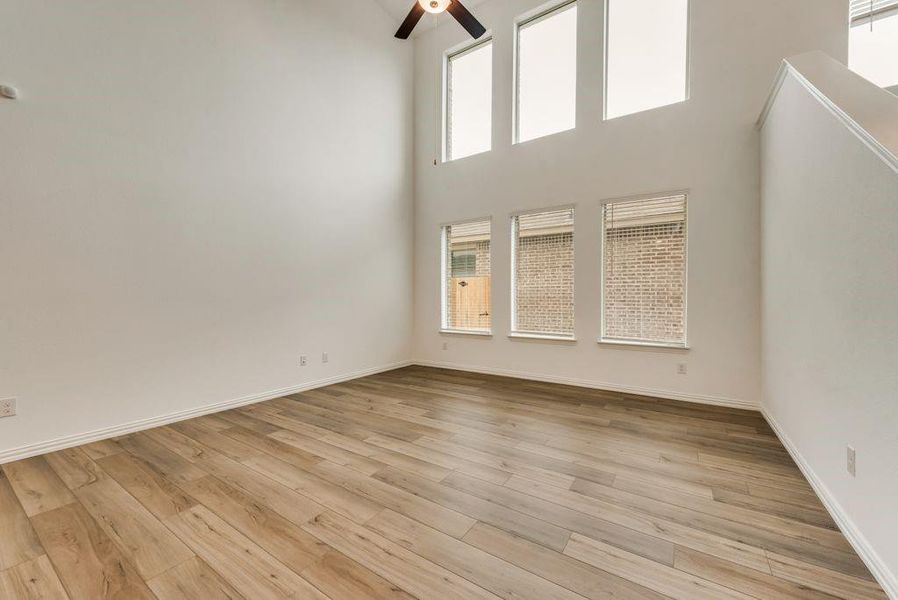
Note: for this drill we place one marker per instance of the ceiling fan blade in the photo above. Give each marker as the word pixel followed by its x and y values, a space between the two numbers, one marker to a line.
pixel 466 19
pixel 411 20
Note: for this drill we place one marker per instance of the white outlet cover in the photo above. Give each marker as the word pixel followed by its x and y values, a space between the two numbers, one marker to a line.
pixel 8 407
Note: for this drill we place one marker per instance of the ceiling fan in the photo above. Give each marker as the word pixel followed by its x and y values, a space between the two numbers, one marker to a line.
pixel 453 7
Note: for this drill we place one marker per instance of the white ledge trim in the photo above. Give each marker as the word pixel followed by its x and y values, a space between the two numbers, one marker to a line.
pixel 637 344
pixel 546 337
pixel 787 69
pixel 463 332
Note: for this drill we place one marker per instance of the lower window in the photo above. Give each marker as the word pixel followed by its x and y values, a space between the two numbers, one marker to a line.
pixel 543 273
pixel 644 271
pixel 466 282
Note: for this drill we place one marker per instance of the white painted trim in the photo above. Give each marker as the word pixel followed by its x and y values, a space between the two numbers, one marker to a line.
pixel 862 134
pixel 611 342
pixel 545 337
pixel 878 567
pixel 597 385
pixel 471 332
pixel 773 94
pixel 79 439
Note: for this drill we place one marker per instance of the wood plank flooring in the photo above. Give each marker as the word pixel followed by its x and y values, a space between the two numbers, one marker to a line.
pixel 425 483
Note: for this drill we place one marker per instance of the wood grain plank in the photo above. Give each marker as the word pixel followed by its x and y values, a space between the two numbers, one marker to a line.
pixel 661 578
pixel 32 580
pixel 140 536
pixel 536 530
pixel 192 580
pixel 18 541
pixel 158 453
pixel 452 463
pixel 825 580
pixel 89 564
pixel 665 529
pixel 75 467
pixel 577 576
pixel 421 509
pixel 281 538
pixel 342 578
pixel 318 490
pixel 101 449
pixel 243 564
pixel 632 540
pixel 37 486
pixel 158 494
pixel 754 583
pixel 391 561
pixel 329 452
pixel 489 572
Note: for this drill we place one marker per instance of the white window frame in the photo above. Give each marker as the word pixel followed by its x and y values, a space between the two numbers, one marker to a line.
pixel 860 16
pixel 684 345
pixel 522 22
pixel 445 268
pixel 880 11
pixel 535 335
pixel 448 56
pixel 607 55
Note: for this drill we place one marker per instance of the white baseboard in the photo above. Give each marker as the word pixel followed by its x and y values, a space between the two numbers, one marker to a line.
pixel 880 570
pixel 70 441
pixel 598 385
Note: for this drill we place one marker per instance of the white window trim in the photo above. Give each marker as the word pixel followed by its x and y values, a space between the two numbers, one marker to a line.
pixel 531 18
pixel 881 10
pixel 607 55
pixel 630 344
pixel 444 281
pixel 473 332
pixel 546 337
pixel 619 342
pixel 537 335
pixel 448 55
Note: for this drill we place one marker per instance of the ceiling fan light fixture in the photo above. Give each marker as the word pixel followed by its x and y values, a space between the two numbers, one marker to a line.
pixel 434 6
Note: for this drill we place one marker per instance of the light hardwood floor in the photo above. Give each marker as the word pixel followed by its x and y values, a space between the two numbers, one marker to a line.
pixel 423 483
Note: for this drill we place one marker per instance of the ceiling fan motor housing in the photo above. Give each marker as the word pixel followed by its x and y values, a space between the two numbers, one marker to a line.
pixel 434 6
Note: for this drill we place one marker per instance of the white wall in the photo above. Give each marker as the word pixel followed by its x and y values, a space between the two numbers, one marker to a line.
pixel 830 292
pixel 708 145
pixel 192 194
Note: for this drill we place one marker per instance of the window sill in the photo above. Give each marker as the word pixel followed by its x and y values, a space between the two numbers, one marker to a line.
pixel 544 337
pixel 463 332
pixel 645 345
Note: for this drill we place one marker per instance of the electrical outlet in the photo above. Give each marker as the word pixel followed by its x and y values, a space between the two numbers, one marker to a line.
pixel 682 369
pixel 852 462
pixel 324 357
pixel 445 345
pixel 303 360
pixel 7 407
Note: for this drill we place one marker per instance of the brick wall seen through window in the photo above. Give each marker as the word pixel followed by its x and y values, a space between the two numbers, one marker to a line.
pixel 543 273
pixel 644 270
